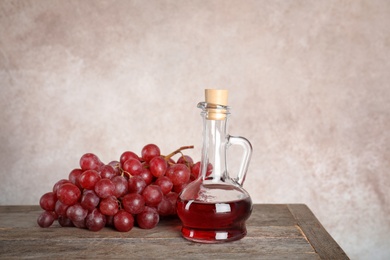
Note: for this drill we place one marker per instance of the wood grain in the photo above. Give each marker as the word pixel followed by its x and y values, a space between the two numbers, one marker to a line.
pixel 274 232
pixel 319 238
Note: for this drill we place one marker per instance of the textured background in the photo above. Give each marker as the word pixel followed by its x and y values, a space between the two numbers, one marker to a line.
pixel 308 82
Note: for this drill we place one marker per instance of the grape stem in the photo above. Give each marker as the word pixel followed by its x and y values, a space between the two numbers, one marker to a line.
pixel 178 151
pixel 123 173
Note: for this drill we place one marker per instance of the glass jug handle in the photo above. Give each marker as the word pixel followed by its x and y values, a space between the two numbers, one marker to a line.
pixel 246 157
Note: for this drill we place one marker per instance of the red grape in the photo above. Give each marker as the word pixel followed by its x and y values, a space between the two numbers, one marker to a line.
pixel 133 203
pixel 172 197
pixel 128 155
pixel 68 193
pixel 46 219
pixel 58 184
pixel 147 176
pixel 74 176
pixel 179 174
pixel 150 151
pixel 165 207
pixel 60 208
pixel 89 200
pixel 104 188
pixel 136 184
pixel 76 213
pixel 95 220
pixel 79 224
pixel 185 159
pixel 152 195
pixel 123 221
pixel 88 179
pixel 109 206
pixel 165 184
pixel 148 218
pixel 48 201
pixel 116 166
pixel 158 166
pixel 132 166
pixel 179 188
pixel 90 161
pixel 65 221
pixel 121 186
pixel 195 170
pixel 107 172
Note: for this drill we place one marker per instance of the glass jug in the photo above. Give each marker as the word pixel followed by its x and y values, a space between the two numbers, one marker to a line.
pixel 214 207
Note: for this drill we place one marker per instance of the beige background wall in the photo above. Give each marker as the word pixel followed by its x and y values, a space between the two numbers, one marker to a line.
pixel 308 81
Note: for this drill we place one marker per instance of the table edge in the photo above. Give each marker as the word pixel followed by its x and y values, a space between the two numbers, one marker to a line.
pixel 322 242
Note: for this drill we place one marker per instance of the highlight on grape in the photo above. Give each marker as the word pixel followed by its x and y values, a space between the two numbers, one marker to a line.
pixel 132 191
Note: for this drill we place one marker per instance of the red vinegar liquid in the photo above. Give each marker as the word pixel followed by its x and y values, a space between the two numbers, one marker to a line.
pixel 209 222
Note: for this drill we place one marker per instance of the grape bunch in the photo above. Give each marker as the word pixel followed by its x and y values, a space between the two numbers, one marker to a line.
pixel 135 190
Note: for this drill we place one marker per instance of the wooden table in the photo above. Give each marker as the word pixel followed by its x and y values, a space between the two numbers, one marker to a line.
pixel 275 231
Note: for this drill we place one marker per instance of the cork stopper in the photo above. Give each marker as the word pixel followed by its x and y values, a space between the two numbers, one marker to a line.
pixel 216 97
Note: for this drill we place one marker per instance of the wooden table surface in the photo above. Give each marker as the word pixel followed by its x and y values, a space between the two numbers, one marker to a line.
pixel 275 231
